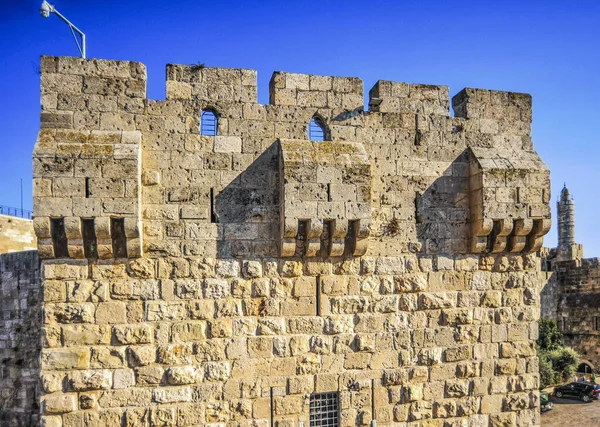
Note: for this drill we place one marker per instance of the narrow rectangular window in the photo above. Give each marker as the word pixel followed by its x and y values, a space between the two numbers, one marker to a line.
pixel 59 238
pixel 213 212
pixel 90 244
pixel 324 410
pixel 596 323
pixel 318 295
pixel 87 188
pixel 418 217
pixel 491 239
pixel 302 236
pixel 117 233
pixel 328 228
pixel 351 236
pixel 271 407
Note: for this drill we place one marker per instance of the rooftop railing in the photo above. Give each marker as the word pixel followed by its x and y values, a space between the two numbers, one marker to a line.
pixel 18 212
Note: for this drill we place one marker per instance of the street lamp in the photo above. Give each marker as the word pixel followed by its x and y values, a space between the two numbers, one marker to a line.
pixel 47 9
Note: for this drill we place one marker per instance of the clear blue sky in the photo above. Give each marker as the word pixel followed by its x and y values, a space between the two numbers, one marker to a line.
pixel 547 48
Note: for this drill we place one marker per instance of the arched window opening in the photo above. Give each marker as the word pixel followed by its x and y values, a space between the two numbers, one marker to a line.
pixel 316 129
pixel 208 123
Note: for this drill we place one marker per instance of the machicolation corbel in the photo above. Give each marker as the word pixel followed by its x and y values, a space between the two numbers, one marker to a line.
pixel 509 201
pixel 325 198
pixel 87 194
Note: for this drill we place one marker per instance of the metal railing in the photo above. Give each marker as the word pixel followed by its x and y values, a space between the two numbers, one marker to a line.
pixel 18 212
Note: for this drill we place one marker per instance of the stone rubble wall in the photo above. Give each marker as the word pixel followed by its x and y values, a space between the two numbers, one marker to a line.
pixel 20 338
pixel 216 320
pixel 16 234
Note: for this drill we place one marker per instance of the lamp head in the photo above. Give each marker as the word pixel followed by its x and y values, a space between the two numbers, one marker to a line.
pixel 45 9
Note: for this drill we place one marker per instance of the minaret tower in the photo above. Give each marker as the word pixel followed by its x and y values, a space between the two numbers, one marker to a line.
pixel 566 218
pixel 567 248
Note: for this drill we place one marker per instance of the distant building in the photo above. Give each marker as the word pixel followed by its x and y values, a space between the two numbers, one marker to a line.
pixel 572 293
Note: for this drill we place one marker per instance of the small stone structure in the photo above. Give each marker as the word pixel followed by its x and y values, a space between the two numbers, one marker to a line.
pixel 16 234
pixel 247 277
pixel 571 295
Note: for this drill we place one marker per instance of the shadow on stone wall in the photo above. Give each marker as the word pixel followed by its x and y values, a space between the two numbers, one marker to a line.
pixel 442 210
pixel 247 210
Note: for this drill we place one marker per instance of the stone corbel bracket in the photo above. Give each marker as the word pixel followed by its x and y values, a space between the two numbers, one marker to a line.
pixel 325 200
pixel 509 201
pixel 87 194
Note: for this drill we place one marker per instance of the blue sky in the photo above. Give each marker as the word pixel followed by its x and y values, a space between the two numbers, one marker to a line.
pixel 547 48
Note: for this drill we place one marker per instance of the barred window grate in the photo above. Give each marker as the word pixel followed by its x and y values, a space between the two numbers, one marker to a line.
pixel 316 129
pixel 208 123
pixel 324 410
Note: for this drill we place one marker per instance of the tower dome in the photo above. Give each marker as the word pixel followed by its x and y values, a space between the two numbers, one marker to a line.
pixel 565 194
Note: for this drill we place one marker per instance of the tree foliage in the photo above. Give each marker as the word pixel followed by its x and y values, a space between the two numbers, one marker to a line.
pixel 547 376
pixel 556 362
pixel 549 337
pixel 564 363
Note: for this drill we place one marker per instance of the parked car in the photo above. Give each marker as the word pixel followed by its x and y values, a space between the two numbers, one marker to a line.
pixel 596 388
pixel 545 404
pixel 580 390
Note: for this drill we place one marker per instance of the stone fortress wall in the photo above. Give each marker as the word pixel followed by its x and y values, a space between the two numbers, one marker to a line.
pixel 20 338
pixel 578 308
pixel 16 234
pixel 571 295
pixel 20 325
pixel 192 280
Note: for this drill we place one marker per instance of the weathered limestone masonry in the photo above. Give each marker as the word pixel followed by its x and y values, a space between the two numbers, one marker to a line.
pixel 16 234
pixel 192 280
pixel 20 338
pixel 578 306
pixel 571 295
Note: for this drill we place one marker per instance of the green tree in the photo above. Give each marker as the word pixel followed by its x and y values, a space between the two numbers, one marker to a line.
pixel 547 377
pixel 564 363
pixel 556 362
pixel 549 337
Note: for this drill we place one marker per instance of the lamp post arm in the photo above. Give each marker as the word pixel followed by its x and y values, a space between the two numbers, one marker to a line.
pixel 74 30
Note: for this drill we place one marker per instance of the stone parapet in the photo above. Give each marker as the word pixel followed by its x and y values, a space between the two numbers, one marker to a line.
pixel 307 90
pixel 396 97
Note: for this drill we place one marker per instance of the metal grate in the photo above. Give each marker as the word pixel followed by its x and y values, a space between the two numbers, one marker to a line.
pixel 316 129
pixel 208 123
pixel 324 410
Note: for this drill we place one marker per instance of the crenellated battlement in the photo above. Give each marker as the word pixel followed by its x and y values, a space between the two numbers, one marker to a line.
pixel 101 78
pixel 396 97
pixel 407 133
